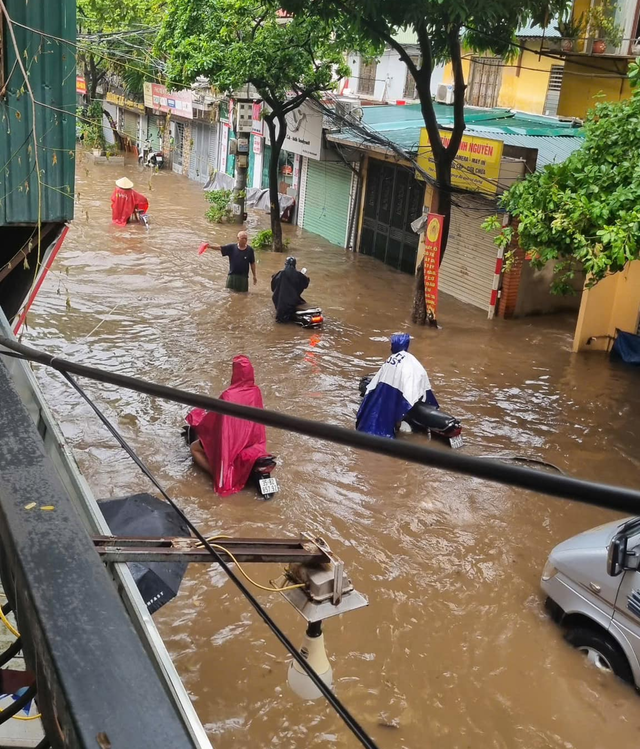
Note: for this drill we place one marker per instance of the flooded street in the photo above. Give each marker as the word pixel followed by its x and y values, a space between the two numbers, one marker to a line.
pixel 454 650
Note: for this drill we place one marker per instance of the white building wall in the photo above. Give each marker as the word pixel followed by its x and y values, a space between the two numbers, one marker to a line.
pixel 391 76
pixel 106 127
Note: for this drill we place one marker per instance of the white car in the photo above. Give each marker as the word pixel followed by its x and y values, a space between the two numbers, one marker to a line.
pixel 592 584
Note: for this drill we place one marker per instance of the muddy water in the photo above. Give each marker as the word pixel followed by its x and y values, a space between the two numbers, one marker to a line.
pixel 454 649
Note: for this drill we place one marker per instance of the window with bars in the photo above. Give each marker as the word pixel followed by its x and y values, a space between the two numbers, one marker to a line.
pixel 410 83
pixel 553 90
pixel 367 79
pixel 484 81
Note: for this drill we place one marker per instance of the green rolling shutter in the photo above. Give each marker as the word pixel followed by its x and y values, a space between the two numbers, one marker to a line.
pixel 327 199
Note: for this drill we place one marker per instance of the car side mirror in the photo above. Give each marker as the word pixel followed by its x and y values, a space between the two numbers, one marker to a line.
pixel 616 555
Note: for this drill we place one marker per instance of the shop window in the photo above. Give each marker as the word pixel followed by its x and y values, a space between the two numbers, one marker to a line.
pixel 410 81
pixel 484 81
pixel 367 79
pixel 553 91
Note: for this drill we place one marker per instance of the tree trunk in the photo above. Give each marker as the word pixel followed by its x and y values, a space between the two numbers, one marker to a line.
pixel 441 204
pixel 93 88
pixel 443 157
pixel 274 203
pixel 114 129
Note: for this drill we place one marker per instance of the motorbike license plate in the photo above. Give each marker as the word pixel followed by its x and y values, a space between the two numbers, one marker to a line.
pixel 268 486
pixel 456 441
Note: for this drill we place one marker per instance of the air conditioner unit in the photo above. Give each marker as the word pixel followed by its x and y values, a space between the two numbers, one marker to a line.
pixel 348 110
pixel 444 94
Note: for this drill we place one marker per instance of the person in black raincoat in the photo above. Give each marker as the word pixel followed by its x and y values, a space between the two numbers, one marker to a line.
pixel 287 285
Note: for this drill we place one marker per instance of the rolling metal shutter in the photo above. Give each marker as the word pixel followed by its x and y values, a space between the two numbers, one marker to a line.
pixel 326 200
pixel 302 198
pixel 202 159
pixel 130 125
pixel 469 263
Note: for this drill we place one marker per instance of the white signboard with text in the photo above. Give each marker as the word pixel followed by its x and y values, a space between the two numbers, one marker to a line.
pixel 304 132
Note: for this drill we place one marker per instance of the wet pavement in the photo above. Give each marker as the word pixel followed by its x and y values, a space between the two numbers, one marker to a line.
pixel 454 649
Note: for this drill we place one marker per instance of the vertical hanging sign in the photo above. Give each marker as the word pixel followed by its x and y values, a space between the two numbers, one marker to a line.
pixel 432 243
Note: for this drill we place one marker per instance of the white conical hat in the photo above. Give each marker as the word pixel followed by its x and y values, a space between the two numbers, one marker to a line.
pixel 124 183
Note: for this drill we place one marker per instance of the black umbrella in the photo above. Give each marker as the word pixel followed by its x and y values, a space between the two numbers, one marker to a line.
pixel 148 517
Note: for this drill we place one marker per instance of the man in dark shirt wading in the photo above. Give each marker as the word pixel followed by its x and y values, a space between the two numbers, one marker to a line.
pixel 241 258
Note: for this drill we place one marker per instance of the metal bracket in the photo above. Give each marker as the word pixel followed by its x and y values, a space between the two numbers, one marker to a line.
pixel 259 550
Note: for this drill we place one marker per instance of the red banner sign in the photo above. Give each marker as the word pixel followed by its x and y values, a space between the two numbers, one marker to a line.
pixel 432 242
pixel 81 85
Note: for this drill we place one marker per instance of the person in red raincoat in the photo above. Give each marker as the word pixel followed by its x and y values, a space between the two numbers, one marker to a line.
pixel 125 201
pixel 228 447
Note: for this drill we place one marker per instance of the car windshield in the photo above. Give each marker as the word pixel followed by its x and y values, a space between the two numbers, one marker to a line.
pixel 630 527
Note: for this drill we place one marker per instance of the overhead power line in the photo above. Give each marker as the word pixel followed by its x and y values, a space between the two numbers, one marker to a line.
pixel 600 495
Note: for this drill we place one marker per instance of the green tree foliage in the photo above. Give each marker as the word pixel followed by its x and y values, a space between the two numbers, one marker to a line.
pixel 587 209
pixel 116 37
pixel 442 27
pixel 234 42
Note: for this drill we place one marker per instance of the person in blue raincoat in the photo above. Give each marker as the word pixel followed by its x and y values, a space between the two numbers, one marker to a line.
pixel 398 385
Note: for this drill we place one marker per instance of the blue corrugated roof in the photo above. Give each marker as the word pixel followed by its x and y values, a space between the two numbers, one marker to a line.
pixel 554 140
pixel 533 31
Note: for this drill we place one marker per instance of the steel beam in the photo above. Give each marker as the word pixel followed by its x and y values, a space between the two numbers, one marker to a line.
pixel 95 680
pixel 258 550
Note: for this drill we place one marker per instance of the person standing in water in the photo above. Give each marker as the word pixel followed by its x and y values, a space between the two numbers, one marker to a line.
pixel 241 259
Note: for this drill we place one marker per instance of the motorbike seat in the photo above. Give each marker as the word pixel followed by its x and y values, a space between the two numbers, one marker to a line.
pixel 430 417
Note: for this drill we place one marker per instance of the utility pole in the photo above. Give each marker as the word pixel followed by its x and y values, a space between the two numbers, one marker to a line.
pixel 240 187
pixel 243 117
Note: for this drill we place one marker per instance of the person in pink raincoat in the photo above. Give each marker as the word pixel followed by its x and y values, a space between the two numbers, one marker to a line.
pixel 227 447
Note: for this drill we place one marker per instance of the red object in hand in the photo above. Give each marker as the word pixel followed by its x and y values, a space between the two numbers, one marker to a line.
pixel 203 248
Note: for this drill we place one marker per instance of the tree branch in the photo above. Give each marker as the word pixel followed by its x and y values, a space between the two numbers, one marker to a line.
pixel 423 86
pixel 458 94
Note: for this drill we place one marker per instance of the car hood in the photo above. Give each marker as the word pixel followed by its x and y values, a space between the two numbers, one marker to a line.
pixel 594 538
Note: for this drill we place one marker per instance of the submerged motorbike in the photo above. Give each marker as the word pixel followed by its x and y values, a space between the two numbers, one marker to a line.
pixel 260 476
pixel 141 218
pixel 149 157
pixel 309 318
pixel 428 419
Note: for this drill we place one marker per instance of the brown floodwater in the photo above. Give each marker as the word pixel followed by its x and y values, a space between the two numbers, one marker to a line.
pixel 454 649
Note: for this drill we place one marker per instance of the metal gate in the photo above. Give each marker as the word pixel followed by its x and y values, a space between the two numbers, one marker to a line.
pixel 178 146
pixel 393 199
pixel 155 127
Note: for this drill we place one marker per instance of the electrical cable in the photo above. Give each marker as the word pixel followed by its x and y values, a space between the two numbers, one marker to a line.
pixel 211 539
pixel 8 624
pixel 19 704
pixel 5 657
pixel 601 495
pixel 16 645
pixel 253 582
pixel 11 652
pixel 335 703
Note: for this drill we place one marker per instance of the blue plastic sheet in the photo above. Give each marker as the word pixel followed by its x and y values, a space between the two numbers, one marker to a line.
pixel 626 348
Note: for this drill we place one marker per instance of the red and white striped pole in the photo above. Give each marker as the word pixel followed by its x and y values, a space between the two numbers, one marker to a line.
pixel 496 283
pixel 495 286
